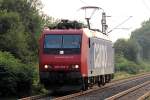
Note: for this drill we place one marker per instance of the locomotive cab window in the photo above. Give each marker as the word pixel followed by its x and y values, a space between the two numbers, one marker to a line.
pixel 52 41
pixel 71 41
pixel 70 44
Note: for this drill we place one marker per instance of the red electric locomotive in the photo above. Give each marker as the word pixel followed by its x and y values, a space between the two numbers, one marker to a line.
pixel 79 57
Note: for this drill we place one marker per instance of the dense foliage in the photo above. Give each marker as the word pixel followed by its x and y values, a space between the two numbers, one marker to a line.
pixel 142 36
pixel 20 24
pixel 13 37
pixel 133 55
pixel 128 48
pixel 16 78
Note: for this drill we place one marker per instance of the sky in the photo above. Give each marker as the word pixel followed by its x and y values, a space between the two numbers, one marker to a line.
pixel 131 12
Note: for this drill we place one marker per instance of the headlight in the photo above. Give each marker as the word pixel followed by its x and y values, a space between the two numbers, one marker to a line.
pixel 74 66
pixel 47 66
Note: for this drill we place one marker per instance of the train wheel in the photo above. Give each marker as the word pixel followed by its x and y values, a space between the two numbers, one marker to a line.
pixel 99 84
pixel 107 78
pixel 99 81
pixel 112 76
pixel 84 84
pixel 103 81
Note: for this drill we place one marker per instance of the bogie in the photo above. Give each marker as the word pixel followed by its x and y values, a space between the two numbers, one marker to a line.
pixel 100 80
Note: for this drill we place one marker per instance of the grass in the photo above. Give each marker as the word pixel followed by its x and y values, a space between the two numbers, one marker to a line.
pixel 121 75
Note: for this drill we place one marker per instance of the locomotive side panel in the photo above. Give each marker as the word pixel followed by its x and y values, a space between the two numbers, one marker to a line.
pixel 84 54
pixel 101 57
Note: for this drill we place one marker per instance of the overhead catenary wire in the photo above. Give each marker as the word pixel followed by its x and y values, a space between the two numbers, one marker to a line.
pixel 120 24
pixel 84 2
pixel 145 4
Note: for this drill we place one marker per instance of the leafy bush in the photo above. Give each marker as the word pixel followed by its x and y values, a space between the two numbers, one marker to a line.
pixel 122 64
pixel 145 66
pixel 15 77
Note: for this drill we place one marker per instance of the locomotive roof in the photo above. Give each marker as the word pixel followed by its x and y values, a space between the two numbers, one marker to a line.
pixel 89 33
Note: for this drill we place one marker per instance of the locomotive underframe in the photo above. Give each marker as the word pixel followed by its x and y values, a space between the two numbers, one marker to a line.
pixel 56 80
pixel 60 78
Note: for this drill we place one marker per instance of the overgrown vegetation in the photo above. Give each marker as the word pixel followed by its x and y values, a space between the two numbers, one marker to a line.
pixel 16 77
pixel 133 55
pixel 20 26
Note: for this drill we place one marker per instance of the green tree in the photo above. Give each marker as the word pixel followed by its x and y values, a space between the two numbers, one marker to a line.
pixel 12 37
pixel 128 48
pixel 48 21
pixel 142 37
pixel 28 12
pixel 126 56
pixel 20 22
pixel 120 46
pixel 132 50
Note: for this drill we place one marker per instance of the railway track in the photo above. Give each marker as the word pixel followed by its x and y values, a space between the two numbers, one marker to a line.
pixel 35 97
pixel 133 93
pixel 109 90
pixel 146 96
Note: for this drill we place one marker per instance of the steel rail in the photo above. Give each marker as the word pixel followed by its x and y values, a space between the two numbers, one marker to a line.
pixel 143 97
pixel 113 82
pixel 126 92
pixel 34 97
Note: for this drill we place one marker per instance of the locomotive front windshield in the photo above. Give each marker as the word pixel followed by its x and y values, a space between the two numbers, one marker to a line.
pixel 70 44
